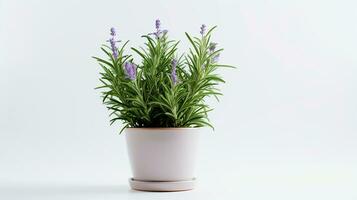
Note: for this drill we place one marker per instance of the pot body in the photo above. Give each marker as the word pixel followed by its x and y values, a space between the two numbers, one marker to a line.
pixel 162 154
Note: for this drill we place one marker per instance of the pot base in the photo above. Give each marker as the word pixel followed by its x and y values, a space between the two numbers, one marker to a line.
pixel 162 186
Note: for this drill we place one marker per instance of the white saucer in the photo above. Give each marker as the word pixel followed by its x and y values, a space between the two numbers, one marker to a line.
pixel 162 186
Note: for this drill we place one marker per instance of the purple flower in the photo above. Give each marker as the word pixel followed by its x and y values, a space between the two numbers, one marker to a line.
pixel 203 29
pixel 157 24
pixel 130 70
pixel 215 58
pixel 112 42
pixel 112 31
pixel 157 34
pixel 173 71
pixel 113 47
pixel 158 31
pixel 212 46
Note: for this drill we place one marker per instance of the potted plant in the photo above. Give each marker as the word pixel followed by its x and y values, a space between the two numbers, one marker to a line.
pixel 161 102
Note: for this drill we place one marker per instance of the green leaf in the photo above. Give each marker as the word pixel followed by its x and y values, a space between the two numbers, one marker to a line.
pixel 152 99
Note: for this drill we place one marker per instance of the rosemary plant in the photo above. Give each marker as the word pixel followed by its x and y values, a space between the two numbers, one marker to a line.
pixel 165 89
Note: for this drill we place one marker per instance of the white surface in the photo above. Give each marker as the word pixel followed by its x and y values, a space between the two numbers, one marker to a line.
pixel 285 129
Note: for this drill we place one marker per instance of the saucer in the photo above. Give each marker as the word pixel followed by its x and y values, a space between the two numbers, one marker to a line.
pixel 162 186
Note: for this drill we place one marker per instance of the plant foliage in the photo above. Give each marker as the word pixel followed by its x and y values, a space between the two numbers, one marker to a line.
pixel 165 89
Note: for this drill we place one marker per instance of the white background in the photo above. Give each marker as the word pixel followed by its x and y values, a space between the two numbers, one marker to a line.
pixel 285 129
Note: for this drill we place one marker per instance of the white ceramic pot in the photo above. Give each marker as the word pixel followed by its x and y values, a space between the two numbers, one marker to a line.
pixel 162 159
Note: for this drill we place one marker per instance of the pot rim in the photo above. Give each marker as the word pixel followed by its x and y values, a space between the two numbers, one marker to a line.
pixel 162 128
